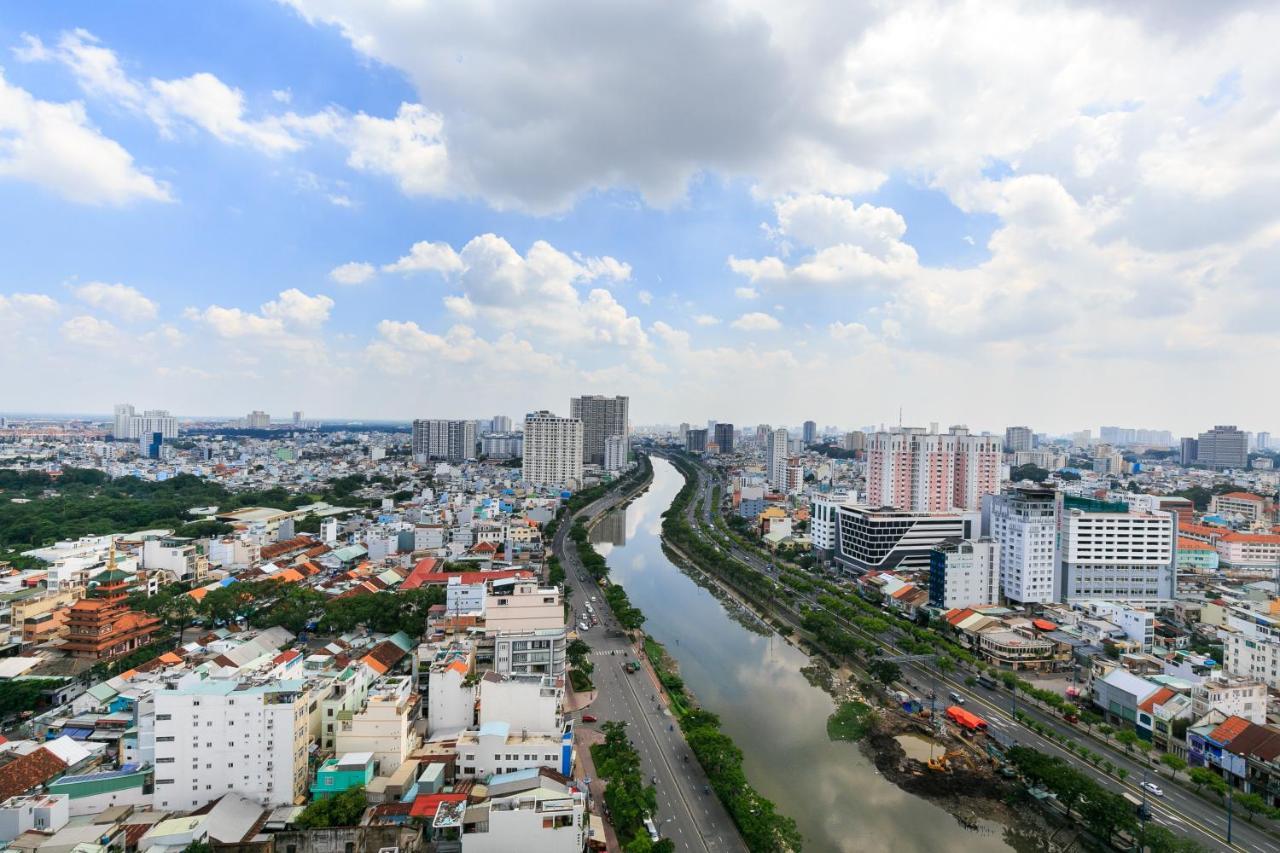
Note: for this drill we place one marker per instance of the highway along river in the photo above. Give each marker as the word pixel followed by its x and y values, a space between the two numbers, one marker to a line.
pixel 753 681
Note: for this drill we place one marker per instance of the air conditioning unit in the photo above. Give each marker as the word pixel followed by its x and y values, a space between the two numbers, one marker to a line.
pixel 388 850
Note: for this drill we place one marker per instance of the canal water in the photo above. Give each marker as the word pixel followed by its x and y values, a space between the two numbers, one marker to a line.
pixel 752 680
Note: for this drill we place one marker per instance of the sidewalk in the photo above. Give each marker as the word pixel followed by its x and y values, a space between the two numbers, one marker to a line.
pixel 575 701
pixel 582 740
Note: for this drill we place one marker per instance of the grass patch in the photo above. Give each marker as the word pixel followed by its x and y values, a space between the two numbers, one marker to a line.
pixel 580 680
pixel 851 721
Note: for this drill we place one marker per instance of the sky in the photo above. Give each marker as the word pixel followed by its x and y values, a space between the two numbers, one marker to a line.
pixel 1056 214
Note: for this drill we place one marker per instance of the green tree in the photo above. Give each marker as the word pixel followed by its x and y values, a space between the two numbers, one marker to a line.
pixel 1175 763
pixel 884 671
pixel 344 809
pixel 1251 803
pixel 1127 738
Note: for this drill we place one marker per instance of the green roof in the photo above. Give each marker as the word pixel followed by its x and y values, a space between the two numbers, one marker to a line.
pixel 1092 505
pixel 92 784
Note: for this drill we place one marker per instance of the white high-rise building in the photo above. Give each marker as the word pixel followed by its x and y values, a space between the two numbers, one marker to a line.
pixel 776 458
pixel 823 528
pixel 615 453
pixel 501 423
pixel 128 424
pixel 438 438
pixel 932 472
pixel 123 424
pixel 964 572
pixel 223 735
pixel 1110 551
pixel 552 451
pixel 257 420
pixel 1024 523
pixel 1018 439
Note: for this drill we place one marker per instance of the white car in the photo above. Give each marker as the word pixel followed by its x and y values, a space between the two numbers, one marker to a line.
pixel 1153 789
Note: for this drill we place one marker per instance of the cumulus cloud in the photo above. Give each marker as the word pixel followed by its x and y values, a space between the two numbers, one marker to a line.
pixel 123 301
pixel 705 319
pixel 292 322
pixel 55 146
pixel 756 321
pixel 88 331
pixel 354 272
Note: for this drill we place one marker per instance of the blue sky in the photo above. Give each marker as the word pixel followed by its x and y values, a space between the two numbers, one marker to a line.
pixel 789 221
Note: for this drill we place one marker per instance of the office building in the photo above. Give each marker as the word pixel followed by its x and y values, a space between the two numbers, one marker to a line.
pixel 809 433
pixel 872 538
pixel 615 453
pixel 297 418
pixel 931 472
pixel 695 440
pixel 963 573
pixel 762 435
pixel 1110 551
pixel 724 437
pixel 1024 524
pixel 855 441
pixel 1188 449
pixel 601 417
pixel 776 458
pixel 452 441
pixel 150 444
pixel 222 735
pixel 552 451
pixel 822 521
pixel 1223 447
pixel 1018 439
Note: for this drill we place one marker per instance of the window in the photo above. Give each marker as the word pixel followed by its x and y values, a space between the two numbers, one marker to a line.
pixel 160 718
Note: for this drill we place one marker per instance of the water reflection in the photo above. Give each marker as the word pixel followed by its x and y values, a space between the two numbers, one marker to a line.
pixel 753 682
pixel 611 528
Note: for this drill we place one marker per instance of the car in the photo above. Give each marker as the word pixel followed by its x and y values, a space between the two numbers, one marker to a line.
pixel 1153 789
pixel 588 718
pixel 956 697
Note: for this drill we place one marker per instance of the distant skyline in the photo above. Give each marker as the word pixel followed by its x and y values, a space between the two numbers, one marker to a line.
pixel 990 215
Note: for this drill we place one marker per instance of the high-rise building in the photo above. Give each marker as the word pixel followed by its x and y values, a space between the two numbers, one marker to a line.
pixel 615 453
pixel 1018 439
pixel 762 435
pixel 856 440
pixel 776 458
pixel 964 572
pixel 501 423
pixel 437 438
pixel 724 437
pixel 297 417
pixel 123 424
pixel 257 420
pixel 1108 550
pixel 1223 447
pixel 695 441
pixel 552 450
pixel 810 433
pixel 503 445
pixel 601 417
pixel 150 444
pixel 1024 524
pixel 931 472
pixel 1264 441
pixel 1187 451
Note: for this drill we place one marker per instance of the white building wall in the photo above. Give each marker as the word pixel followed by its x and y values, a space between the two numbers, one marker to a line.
pixel 1025 528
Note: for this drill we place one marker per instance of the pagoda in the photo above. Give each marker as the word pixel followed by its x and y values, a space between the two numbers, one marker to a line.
pixel 101 626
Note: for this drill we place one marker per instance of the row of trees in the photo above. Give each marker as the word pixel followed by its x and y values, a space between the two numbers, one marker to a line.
pixel 626 795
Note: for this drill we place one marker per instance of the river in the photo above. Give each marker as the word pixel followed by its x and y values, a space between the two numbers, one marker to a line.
pixel 777 718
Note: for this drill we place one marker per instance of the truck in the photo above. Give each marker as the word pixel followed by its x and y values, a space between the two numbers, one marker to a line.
pixel 966 720
pixel 631 666
pixel 1139 807
pixel 987 681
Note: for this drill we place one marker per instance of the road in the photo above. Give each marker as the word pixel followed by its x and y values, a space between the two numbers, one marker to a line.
pixel 1179 810
pixel 687 814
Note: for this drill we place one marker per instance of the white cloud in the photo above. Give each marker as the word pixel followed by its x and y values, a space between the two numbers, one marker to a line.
pixel 705 319
pixel 87 331
pixel 290 323
pixel 219 109
pixel 426 256
pixel 409 148
pixel 645 297
pixel 756 321
pixel 295 308
pixel 743 292
pixel 55 146
pixel 27 306
pixel 124 301
pixel 353 272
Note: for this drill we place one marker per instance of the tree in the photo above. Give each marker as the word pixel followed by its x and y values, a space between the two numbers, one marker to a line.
pixel 884 671
pixel 344 809
pixel 1105 813
pixel 1029 472
pixel 1251 803
pixel 1127 738
pixel 1202 776
pixel 1173 762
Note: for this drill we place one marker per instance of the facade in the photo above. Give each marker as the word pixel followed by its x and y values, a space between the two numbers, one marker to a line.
pixel 1024 524
pixel 964 573
pixel 383 726
pixel 1109 551
pixel 257 420
pixel 615 453
pixel 695 440
pixel 503 445
pixel 1188 449
pixel 103 628
pixel 1018 439
pixel 809 433
pixel 912 469
pixel 1139 625
pixel 1249 552
pixel 724 437
pixel 776 458
pixel 1230 696
pixel 127 424
pixel 870 539
pixel 1251 642
pixel 220 735
pixel 437 438
pixel 601 418
pixel 1251 510
pixel 823 509
pixel 552 451
pixel 534 811
pixel 1223 447
pixel 855 441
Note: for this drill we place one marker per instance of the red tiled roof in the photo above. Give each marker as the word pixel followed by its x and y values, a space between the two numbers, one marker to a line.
pixel 1244 496
pixel 1229 730
pixel 1258 538
pixel 1044 625
pixel 26 771
pixel 1164 694
pixel 1186 543
pixel 285 657
pixel 421 572
pixel 1261 742
pixel 383 656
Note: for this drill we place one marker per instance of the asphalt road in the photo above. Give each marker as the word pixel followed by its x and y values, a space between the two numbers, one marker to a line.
pixel 688 814
pixel 1179 810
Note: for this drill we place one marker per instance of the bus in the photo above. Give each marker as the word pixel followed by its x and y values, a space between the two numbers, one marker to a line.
pixel 1139 807
pixel 987 681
